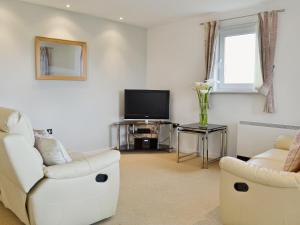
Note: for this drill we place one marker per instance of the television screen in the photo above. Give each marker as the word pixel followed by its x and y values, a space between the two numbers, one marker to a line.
pixel 147 104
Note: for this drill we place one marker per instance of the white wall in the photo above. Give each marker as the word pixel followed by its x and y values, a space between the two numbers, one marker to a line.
pixel 79 112
pixel 176 60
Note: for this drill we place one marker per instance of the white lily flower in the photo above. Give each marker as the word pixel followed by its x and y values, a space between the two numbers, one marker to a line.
pixel 204 91
pixel 199 83
pixel 212 82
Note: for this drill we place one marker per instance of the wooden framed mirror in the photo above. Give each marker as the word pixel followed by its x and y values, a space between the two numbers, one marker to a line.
pixel 58 59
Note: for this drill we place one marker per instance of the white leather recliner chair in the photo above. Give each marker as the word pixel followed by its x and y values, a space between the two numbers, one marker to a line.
pixel 259 192
pixel 81 192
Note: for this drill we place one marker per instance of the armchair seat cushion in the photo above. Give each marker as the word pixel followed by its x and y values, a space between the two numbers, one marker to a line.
pixel 83 155
pixel 267 163
pixel 271 159
pixel 83 164
pixel 273 154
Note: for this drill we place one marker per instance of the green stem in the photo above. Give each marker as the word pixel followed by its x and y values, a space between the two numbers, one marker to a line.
pixel 203 105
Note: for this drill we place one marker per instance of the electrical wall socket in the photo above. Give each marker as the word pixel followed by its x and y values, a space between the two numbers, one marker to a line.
pixel 50 131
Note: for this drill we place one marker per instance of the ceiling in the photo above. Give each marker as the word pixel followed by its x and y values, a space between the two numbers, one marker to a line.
pixel 147 13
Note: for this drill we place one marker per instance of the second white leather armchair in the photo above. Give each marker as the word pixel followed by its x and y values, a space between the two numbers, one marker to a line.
pixel 259 192
pixel 78 193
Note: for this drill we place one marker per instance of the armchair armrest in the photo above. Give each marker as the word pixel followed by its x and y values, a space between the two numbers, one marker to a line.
pixel 283 142
pixel 264 176
pixel 85 166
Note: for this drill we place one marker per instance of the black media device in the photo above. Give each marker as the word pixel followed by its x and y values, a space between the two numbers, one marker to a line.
pixel 143 131
pixel 145 143
pixel 147 104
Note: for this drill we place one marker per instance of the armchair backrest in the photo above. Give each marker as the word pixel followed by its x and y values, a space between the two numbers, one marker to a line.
pixel 284 142
pixel 13 122
pixel 21 165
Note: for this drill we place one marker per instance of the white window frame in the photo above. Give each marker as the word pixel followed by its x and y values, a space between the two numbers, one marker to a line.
pixel 228 31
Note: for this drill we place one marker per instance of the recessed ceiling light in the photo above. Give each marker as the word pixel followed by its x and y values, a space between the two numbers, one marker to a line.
pixel 68 5
pixel 121 18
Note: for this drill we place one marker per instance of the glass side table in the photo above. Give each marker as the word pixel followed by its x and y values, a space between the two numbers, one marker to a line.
pixel 202 132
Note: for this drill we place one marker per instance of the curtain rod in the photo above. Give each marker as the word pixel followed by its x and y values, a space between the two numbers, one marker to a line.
pixel 239 17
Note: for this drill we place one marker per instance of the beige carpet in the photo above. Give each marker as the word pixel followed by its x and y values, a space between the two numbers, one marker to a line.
pixel 155 190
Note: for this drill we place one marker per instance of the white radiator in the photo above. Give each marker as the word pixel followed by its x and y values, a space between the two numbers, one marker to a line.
pixel 254 138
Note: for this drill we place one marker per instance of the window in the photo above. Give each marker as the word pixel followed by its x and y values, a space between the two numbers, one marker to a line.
pixel 238 64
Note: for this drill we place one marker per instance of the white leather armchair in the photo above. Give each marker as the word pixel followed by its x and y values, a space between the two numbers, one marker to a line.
pixel 259 192
pixel 78 193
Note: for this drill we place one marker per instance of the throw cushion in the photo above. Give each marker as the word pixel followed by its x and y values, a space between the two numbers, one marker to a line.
pixel 292 163
pixel 51 149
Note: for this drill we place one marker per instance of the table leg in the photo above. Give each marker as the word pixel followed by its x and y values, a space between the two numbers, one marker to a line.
pixel 206 137
pixel 222 144
pixel 226 141
pixel 198 145
pixel 127 137
pixel 119 137
pixel 178 145
pixel 170 137
pixel 158 133
pixel 111 136
pixel 203 151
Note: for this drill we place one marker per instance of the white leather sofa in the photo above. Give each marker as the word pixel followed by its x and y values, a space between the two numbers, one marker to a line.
pixel 81 192
pixel 259 192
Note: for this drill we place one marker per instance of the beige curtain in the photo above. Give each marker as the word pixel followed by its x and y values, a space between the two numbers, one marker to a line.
pixel 211 33
pixel 45 61
pixel 268 37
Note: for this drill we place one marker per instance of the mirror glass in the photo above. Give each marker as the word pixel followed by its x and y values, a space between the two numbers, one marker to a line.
pixel 60 59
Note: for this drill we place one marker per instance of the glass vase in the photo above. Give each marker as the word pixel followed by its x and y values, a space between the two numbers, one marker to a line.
pixel 203 118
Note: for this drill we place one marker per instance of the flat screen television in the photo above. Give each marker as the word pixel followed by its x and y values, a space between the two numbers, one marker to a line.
pixel 147 104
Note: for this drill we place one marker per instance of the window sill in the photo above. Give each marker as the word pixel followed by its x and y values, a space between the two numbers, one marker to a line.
pixel 235 92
